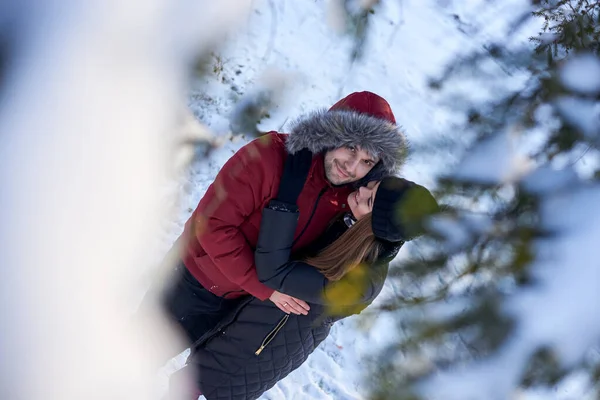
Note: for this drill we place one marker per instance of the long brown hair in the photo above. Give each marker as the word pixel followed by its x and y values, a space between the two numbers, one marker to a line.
pixel 357 245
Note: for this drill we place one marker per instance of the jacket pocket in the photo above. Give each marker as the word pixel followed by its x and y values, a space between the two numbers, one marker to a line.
pixel 222 326
pixel 272 334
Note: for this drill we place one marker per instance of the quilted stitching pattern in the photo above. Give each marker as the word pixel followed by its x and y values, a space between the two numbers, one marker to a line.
pixel 229 369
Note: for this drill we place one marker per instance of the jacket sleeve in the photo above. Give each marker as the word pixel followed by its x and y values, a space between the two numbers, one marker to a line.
pixel 301 280
pixel 241 187
pixel 275 239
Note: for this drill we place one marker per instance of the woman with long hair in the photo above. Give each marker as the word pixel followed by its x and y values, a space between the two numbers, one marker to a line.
pixel 339 275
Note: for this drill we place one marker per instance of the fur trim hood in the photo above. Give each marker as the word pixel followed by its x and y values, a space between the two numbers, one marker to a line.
pixel 361 119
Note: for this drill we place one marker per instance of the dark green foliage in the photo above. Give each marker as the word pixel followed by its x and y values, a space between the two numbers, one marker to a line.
pixel 543 369
pixel 568 25
pixel 249 112
pixel 449 304
pixel 358 21
pixel 4 58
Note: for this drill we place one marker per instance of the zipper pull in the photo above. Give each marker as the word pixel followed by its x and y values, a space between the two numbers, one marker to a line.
pixel 260 349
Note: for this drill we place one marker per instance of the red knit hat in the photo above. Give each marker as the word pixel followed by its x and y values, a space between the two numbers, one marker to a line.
pixel 366 103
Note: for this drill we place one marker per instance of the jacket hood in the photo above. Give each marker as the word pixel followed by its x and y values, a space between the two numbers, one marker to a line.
pixel 361 119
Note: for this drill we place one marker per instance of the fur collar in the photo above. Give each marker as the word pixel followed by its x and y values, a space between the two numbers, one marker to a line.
pixel 323 130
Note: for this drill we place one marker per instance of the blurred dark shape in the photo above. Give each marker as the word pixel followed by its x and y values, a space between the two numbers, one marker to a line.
pixel 250 111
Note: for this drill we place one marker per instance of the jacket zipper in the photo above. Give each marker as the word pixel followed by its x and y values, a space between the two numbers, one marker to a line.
pixel 272 334
pixel 312 213
pixel 220 329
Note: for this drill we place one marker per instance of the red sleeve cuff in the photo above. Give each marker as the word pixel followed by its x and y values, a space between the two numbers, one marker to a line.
pixel 258 290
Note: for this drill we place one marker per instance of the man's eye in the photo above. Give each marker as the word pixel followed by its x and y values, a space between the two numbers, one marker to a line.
pixel 352 149
pixel 369 162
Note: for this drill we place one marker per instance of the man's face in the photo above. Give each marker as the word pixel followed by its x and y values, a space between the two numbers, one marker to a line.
pixel 348 164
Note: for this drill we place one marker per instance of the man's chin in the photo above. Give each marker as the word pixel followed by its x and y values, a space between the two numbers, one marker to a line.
pixel 337 181
pixel 340 182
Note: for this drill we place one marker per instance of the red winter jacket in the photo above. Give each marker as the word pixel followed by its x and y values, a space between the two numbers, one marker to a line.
pixel 221 234
pixel 220 237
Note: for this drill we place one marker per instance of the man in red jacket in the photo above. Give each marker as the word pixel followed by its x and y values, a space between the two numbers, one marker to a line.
pixel 356 140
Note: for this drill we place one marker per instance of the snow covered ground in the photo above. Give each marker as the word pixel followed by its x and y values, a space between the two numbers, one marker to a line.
pixel 410 41
pixel 88 91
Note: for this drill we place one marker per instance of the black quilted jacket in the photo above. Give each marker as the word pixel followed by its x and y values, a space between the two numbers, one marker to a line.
pixel 257 345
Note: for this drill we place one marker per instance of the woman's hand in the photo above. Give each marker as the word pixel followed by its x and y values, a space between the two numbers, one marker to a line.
pixel 289 304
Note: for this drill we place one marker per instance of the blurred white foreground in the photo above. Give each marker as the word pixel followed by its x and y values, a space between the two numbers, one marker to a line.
pixel 89 105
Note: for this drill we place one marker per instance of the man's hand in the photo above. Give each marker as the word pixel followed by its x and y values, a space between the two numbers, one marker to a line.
pixel 289 304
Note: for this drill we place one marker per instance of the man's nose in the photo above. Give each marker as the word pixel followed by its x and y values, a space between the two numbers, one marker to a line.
pixel 351 165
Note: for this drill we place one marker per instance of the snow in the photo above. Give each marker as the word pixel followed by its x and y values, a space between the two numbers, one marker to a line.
pixel 496 159
pixel 295 52
pixel 410 43
pixel 557 311
pixel 458 231
pixel 582 74
pixel 581 113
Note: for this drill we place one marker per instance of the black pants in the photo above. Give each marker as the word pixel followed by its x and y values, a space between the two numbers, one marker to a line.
pixel 188 305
